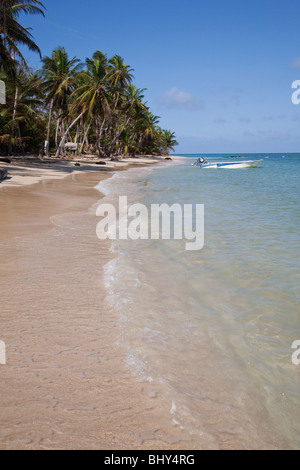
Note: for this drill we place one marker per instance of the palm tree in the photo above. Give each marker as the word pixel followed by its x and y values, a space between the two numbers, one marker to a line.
pixel 118 75
pixel 22 111
pixel 92 96
pixel 131 104
pixel 60 75
pixel 128 143
pixel 13 34
pixel 168 141
pixel 149 127
pixel 98 105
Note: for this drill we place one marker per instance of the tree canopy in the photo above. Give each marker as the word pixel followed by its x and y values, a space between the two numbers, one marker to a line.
pixel 93 104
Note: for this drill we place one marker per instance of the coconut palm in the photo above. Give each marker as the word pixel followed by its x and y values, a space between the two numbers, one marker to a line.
pixel 93 92
pixel 92 97
pixel 119 76
pixel 13 34
pixel 131 104
pixel 168 141
pixel 60 78
pixel 22 111
pixel 94 104
pixel 149 127
pixel 118 73
pixel 128 144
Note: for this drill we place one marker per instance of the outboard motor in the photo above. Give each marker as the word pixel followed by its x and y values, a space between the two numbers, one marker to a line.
pixel 199 162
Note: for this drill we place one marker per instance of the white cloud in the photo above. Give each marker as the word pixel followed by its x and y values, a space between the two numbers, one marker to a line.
pixel 175 98
pixel 296 63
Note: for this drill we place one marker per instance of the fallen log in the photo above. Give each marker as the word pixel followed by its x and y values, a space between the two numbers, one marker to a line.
pixel 5 160
pixel 3 174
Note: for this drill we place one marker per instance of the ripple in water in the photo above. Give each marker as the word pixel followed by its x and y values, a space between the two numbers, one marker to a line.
pixel 212 330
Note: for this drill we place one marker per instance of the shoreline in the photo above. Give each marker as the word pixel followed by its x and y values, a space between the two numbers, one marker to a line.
pixel 31 170
pixel 176 330
pixel 66 384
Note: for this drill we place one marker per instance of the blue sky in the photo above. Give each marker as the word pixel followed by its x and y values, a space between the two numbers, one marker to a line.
pixel 217 72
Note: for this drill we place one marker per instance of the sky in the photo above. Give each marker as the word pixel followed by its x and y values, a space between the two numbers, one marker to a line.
pixel 218 73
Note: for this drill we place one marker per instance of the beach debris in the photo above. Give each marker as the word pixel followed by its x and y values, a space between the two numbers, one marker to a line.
pixel 168 158
pixel 77 164
pixel 3 174
pixel 100 163
pixel 5 160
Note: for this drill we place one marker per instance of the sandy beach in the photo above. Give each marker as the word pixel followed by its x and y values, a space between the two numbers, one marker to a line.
pixel 149 301
pixel 65 384
pixel 24 171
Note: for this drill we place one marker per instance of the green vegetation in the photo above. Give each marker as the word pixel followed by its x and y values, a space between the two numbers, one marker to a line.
pixel 93 104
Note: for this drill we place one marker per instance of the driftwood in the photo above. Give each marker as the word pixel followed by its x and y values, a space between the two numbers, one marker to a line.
pixel 3 174
pixel 5 160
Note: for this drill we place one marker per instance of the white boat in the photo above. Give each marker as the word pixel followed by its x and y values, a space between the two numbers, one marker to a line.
pixel 228 165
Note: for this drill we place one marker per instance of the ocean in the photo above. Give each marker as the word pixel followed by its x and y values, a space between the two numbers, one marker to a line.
pixel 212 330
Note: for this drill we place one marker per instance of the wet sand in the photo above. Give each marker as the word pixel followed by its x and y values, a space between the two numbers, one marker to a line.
pixel 66 384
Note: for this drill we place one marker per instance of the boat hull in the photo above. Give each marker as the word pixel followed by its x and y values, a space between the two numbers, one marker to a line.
pixel 232 165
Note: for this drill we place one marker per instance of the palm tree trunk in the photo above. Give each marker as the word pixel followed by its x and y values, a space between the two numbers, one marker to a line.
pixel 47 144
pixel 62 142
pixel 99 136
pixel 118 133
pixel 14 115
pixel 20 139
pixel 85 136
pixel 76 137
pixel 56 133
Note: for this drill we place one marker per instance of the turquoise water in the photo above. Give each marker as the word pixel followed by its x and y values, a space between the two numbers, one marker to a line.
pixel 212 329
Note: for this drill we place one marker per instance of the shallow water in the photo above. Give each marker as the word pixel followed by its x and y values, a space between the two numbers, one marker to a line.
pixel 212 329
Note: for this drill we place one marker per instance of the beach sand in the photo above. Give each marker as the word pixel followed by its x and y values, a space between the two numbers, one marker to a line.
pixel 66 384
pixel 23 171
